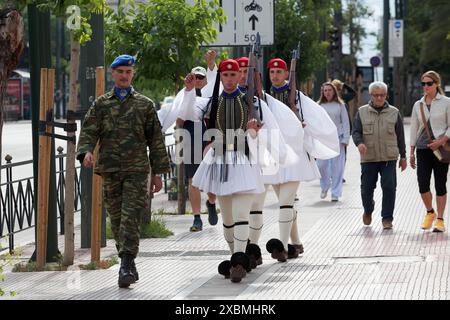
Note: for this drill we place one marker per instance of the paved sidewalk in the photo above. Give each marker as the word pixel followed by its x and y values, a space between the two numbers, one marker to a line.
pixel 343 259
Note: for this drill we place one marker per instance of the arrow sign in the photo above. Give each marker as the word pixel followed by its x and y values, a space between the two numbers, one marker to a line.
pixel 253 20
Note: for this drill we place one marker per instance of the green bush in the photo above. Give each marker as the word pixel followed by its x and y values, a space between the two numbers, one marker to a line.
pixel 103 264
pixel 7 259
pixel 155 229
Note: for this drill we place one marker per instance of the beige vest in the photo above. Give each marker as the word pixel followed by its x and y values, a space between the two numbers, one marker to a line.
pixel 379 133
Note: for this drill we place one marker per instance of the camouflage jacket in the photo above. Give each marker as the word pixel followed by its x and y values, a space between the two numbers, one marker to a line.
pixel 124 130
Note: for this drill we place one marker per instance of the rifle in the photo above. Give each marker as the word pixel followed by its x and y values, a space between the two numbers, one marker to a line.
pixel 292 100
pixel 253 83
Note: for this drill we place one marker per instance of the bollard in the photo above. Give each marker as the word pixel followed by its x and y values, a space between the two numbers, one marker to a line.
pixel 9 199
pixel 61 189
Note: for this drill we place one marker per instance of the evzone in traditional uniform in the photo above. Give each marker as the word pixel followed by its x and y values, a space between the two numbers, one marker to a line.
pixel 292 131
pixel 243 69
pixel 316 140
pixel 230 168
pixel 256 220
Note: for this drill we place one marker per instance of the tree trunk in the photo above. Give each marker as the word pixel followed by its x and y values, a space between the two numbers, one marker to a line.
pixel 11 47
pixel 180 174
pixel 69 235
pixel 181 189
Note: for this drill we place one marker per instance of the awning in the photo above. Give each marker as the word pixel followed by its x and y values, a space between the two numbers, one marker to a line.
pixel 22 73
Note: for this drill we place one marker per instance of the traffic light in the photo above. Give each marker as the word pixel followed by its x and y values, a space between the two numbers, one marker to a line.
pixel 334 38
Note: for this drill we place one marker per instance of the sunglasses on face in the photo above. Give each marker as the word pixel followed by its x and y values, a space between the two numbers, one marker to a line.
pixel 199 77
pixel 428 83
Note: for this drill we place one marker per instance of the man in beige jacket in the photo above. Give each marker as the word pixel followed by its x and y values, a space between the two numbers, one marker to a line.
pixel 379 135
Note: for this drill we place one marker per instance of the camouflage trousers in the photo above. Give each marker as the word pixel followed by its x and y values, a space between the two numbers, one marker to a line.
pixel 125 199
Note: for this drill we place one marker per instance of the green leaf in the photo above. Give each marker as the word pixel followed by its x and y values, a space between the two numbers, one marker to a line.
pixel 181 30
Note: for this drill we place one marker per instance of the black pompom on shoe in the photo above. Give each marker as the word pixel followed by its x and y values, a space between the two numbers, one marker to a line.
pixel 292 252
pixel 299 248
pixel 240 262
pixel 224 268
pixel 240 258
pixel 254 253
pixel 276 249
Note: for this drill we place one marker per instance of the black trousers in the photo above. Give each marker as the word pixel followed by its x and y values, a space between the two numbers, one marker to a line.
pixel 427 163
pixel 369 178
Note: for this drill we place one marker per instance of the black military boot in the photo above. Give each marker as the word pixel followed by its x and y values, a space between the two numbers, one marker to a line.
pixel 126 277
pixel 134 270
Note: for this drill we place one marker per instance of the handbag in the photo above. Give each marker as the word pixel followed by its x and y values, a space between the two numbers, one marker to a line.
pixel 443 152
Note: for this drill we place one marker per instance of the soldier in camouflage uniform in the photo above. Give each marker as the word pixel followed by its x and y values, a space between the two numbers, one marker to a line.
pixel 124 123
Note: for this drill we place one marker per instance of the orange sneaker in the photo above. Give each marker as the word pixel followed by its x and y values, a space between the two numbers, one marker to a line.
pixel 439 226
pixel 428 220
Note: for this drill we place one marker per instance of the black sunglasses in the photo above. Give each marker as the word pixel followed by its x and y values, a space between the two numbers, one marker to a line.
pixel 429 83
pixel 199 77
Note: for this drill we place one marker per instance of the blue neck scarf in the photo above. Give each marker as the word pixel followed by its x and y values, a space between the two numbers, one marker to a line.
pixel 242 89
pixel 122 93
pixel 280 89
pixel 235 93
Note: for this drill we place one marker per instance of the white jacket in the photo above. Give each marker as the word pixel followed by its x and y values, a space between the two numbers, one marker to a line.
pixel 439 116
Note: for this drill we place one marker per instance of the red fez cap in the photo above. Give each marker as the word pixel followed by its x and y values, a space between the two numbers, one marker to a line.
pixel 228 65
pixel 243 62
pixel 277 63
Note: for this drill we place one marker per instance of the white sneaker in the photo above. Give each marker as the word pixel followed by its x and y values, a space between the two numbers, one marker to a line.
pixel 323 194
pixel 334 198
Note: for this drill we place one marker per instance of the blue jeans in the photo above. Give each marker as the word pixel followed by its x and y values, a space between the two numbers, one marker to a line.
pixel 369 178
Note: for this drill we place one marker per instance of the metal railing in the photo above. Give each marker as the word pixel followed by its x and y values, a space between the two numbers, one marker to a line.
pixel 17 197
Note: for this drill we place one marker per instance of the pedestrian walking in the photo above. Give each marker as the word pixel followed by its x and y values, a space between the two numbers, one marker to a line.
pixel 332 170
pixel 347 94
pixel 124 123
pixel 197 145
pixel 379 135
pixel 430 130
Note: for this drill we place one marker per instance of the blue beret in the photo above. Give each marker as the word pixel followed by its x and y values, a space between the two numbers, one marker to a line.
pixel 123 60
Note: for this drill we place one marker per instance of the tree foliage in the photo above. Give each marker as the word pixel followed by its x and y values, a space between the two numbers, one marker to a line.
pixel 59 7
pixel 426 38
pixel 355 12
pixel 165 35
pixel 292 17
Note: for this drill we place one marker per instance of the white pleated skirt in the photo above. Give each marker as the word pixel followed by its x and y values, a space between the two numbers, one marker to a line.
pixel 305 170
pixel 243 176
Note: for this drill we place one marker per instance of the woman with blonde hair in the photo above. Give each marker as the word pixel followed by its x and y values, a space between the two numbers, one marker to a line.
pixel 431 113
pixel 332 170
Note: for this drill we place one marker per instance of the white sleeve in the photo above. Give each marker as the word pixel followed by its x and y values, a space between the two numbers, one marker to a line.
pixel 415 125
pixel 290 126
pixel 271 141
pixel 162 114
pixel 193 108
pixel 168 117
pixel 447 131
pixel 207 91
pixel 345 125
pixel 321 135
